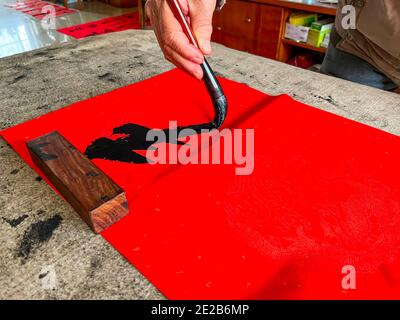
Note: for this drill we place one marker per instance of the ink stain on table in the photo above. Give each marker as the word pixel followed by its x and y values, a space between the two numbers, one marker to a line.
pixel 45 106
pixel 42 275
pixel 104 75
pixel 17 221
pixel 17 78
pixel 328 99
pixel 37 234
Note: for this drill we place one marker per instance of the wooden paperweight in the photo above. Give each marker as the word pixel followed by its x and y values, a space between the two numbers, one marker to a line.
pixel 99 201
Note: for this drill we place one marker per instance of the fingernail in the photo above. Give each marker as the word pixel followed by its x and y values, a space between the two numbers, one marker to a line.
pixel 198 60
pixel 206 47
pixel 198 74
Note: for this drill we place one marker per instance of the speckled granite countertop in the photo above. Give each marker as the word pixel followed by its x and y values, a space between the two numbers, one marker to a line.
pixel 39 231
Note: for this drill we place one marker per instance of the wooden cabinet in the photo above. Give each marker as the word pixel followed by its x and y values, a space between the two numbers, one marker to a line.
pixel 269 31
pixel 248 27
pixel 237 21
pixel 257 26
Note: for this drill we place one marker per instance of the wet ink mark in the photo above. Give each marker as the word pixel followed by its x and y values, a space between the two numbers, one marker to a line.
pixel 38 178
pixel 42 275
pixel 107 149
pixel 37 234
pixel 136 64
pixel 15 171
pixel 40 53
pixel 134 135
pixel 45 106
pixel 95 263
pixel 16 79
pixel 328 99
pixel 17 221
pixel 105 75
pixel 122 148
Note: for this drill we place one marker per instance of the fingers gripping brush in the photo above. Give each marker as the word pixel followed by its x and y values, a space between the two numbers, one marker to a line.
pixel 213 87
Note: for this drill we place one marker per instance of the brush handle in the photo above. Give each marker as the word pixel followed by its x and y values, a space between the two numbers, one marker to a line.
pixel 209 78
pixel 187 29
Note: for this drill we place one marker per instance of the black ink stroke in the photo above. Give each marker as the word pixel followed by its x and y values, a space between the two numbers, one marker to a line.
pixel 122 149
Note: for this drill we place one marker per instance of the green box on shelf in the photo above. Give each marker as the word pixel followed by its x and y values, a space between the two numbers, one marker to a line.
pixel 303 19
pixel 318 31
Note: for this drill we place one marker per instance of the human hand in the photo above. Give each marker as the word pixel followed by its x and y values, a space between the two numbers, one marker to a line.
pixel 173 41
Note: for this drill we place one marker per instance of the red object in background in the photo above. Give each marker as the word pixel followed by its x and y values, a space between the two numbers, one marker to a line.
pixel 107 25
pixel 60 11
pixel 304 60
pixel 34 8
pixel 21 4
pixel 325 193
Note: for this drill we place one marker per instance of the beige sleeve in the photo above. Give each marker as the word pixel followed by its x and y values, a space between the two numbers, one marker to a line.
pixel 379 21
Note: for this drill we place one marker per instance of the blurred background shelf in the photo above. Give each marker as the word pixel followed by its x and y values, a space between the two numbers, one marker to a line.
pixel 303 45
pixel 258 26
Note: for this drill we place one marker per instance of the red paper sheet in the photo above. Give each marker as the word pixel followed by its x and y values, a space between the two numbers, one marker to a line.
pixel 325 193
pixel 103 26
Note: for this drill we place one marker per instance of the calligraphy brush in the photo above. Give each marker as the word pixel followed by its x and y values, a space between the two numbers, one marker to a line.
pixel 213 87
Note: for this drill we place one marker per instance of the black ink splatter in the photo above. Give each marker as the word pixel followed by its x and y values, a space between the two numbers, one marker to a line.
pixel 37 234
pixel 45 106
pixel 16 79
pixel 42 275
pixel 104 148
pixel 328 99
pixel 95 263
pixel 17 221
pixel 40 53
pixel 104 75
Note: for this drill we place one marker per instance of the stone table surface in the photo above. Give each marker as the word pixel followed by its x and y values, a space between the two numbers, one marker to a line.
pixel 40 235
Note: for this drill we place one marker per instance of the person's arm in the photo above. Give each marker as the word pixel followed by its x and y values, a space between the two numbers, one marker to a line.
pixel 173 41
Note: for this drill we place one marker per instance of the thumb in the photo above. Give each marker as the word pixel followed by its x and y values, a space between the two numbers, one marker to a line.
pixel 201 13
